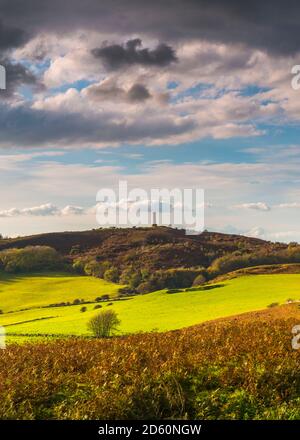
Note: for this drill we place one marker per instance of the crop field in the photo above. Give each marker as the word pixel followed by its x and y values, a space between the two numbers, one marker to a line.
pixel 157 311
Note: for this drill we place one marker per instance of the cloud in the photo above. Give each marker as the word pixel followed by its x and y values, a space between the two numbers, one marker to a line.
pixel 10 162
pixel 231 79
pixel 18 75
pixel 292 205
pixel 209 100
pixel 72 210
pixel 138 92
pixel 11 37
pixel 286 236
pixel 256 232
pixel 72 119
pixel 223 184
pixel 251 25
pixel 118 56
pixel 259 206
pixel 44 210
pixel 37 211
pixel 108 90
pixel 27 126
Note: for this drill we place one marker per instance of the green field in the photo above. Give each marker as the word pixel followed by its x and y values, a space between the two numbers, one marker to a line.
pixel 32 291
pixel 155 311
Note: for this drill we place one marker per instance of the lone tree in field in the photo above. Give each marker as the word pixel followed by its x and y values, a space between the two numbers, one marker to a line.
pixel 104 324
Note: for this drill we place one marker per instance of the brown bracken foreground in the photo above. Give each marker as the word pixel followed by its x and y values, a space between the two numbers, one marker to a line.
pixel 237 368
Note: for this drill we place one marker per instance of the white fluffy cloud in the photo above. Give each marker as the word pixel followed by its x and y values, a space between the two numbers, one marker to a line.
pixel 208 98
pixel 73 210
pixel 47 209
pixel 258 206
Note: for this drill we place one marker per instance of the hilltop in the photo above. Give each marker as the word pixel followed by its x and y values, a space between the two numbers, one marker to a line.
pixel 153 247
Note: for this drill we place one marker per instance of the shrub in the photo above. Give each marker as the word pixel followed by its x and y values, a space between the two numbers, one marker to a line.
pixel 123 291
pixel 75 249
pixel 112 275
pixel 30 258
pixel 273 305
pixel 235 261
pixel 83 309
pixel 170 279
pixel 126 275
pixel 96 269
pixel 92 268
pixel 147 286
pixel 157 237
pixel 78 265
pixel 102 298
pixel 174 291
pixel 135 280
pixel 174 278
pixel 98 306
pixel 131 277
pixel 199 280
pixel 104 324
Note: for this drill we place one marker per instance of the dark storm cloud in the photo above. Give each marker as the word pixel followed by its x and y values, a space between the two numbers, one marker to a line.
pixel 272 25
pixel 116 56
pixel 11 37
pixel 17 75
pixel 111 92
pixel 138 92
pixel 28 127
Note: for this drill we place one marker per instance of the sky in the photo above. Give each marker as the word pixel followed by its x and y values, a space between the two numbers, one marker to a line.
pixel 173 94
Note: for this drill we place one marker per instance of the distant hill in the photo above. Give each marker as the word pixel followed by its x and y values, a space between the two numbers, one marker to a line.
pixel 155 247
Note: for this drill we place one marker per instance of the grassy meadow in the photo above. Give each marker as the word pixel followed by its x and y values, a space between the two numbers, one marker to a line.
pixel 157 311
pixel 233 368
pixel 212 352
pixel 38 290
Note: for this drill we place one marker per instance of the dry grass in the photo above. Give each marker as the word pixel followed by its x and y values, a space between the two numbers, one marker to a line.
pixel 238 368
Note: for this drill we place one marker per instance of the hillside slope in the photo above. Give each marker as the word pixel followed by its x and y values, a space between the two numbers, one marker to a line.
pixel 238 368
pixel 144 313
pixel 33 291
pixel 155 248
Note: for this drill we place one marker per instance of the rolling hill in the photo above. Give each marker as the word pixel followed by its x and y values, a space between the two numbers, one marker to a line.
pixel 143 313
pixel 32 291
pixel 155 247
pixel 233 368
pixel 34 304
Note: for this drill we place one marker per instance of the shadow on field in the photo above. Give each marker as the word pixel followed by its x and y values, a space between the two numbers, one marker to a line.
pixel 8 278
pixel 195 289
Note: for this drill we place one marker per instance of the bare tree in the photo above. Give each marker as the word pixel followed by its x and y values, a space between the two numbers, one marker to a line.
pixel 104 324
